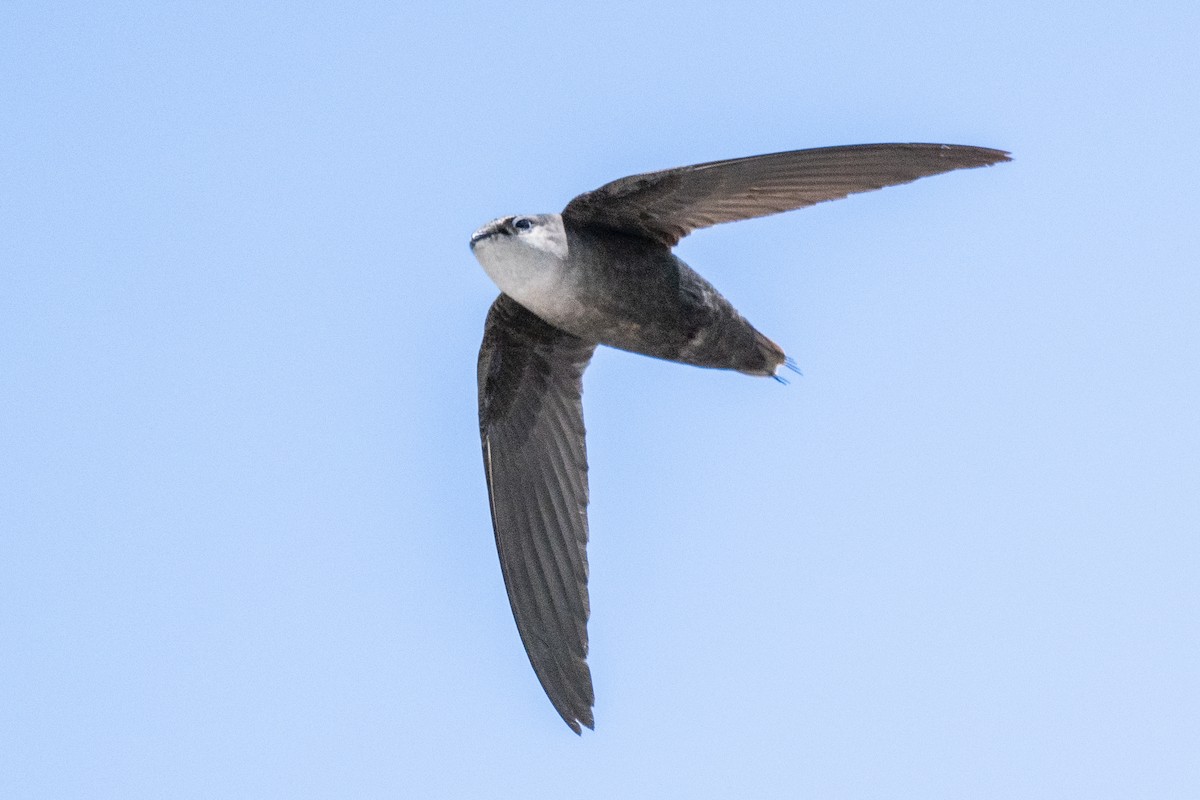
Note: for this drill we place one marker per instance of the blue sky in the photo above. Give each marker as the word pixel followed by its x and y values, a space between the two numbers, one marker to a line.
pixel 244 541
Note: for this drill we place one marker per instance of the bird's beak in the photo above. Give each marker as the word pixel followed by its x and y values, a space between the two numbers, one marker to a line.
pixel 491 229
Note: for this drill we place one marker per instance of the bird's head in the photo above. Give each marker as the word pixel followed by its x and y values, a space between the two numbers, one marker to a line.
pixel 516 251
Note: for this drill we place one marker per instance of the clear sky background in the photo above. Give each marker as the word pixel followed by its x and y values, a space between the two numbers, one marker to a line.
pixel 245 548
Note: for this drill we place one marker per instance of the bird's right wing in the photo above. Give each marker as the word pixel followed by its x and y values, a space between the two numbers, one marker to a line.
pixel 531 426
pixel 668 205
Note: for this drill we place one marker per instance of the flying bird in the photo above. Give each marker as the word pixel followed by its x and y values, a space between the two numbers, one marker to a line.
pixel 602 272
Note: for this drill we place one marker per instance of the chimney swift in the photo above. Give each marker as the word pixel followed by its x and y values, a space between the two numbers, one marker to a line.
pixel 602 272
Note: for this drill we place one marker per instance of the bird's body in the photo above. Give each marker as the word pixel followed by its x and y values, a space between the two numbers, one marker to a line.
pixel 602 272
pixel 620 290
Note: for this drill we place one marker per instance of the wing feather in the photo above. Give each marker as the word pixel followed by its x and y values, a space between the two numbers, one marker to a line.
pixel 668 205
pixel 535 460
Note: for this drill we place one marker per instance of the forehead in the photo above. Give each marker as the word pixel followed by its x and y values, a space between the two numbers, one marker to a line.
pixel 538 219
pixel 543 225
pixel 550 222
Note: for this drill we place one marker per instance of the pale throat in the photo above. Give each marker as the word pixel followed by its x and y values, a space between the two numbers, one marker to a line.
pixel 531 269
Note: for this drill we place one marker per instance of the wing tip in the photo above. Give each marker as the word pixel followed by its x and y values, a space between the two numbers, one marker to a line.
pixel 576 711
pixel 975 156
pixel 570 692
pixel 577 722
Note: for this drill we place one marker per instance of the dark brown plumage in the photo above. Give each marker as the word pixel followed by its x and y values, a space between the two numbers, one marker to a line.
pixel 535 458
pixel 603 272
pixel 668 205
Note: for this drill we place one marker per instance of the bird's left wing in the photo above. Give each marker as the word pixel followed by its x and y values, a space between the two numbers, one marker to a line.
pixel 531 426
pixel 668 205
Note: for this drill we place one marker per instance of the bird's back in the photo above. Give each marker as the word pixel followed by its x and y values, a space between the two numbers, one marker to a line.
pixel 638 296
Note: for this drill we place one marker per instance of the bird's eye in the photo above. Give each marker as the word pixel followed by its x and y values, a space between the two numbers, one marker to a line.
pixel 522 223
